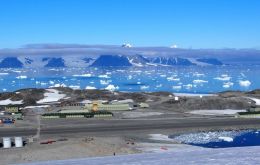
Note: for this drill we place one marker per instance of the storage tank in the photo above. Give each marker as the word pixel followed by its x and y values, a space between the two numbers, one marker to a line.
pixel 18 141
pixel 6 142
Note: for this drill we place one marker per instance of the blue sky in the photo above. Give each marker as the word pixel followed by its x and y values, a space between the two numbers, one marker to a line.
pixel 187 23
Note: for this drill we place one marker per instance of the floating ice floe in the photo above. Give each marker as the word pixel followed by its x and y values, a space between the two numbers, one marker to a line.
pixel 52 95
pixel 43 83
pixel 103 76
pixel 104 82
pixel 158 86
pixel 198 74
pixel 227 139
pixel 51 82
pixel 144 87
pixel 17 71
pixel 112 87
pixel 227 84
pixel 176 87
pixel 74 86
pixel 3 74
pixel 90 88
pixel 188 86
pixel 83 75
pixel 199 81
pixel 58 85
pixel 223 77
pixel 173 79
pixel 244 83
pixel 10 102
pixel 21 77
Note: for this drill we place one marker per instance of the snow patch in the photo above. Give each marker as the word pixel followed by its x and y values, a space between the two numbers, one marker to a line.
pixel 52 95
pixel 10 102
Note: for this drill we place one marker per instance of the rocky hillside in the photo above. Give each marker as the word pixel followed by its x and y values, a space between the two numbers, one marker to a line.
pixel 160 100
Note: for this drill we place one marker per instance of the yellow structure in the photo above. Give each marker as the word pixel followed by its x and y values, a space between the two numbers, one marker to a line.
pixel 94 107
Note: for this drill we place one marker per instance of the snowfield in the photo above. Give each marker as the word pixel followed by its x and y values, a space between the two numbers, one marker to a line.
pixel 8 101
pixel 52 95
pixel 231 156
pixel 257 101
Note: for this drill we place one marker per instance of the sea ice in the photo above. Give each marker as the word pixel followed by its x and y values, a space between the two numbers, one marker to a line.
pixel 144 87
pixel 227 84
pixel 21 77
pixel 199 81
pixel 176 87
pixel 103 76
pixel 244 83
pixel 90 87
pixel 3 74
pixel 112 87
pixel 227 139
pixel 83 75
pixel 223 77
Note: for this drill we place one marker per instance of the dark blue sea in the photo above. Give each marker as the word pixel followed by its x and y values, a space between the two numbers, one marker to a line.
pixel 181 79
pixel 222 139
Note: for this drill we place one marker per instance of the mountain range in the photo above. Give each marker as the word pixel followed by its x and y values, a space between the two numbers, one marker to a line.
pixel 102 61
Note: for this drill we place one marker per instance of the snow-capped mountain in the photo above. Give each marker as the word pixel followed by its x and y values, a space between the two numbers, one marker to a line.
pixel 171 61
pixel 138 60
pixel 11 62
pixel 111 61
pixel 102 61
pixel 126 45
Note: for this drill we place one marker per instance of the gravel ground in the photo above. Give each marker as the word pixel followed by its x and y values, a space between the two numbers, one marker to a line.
pixel 73 148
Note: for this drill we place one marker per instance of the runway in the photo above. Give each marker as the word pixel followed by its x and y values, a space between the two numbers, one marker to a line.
pixel 111 126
